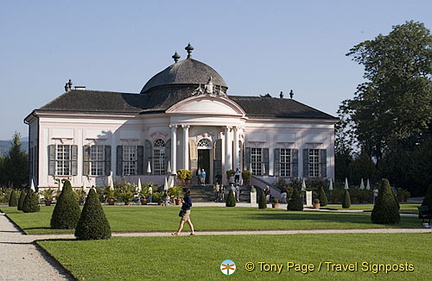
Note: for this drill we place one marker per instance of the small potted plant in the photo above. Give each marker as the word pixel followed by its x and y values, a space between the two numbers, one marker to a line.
pixel 316 204
pixel 175 192
pixel 48 195
pixel 110 195
pixel 158 197
pixel 184 176
pixel 246 175
pixel 143 195
pixel 275 204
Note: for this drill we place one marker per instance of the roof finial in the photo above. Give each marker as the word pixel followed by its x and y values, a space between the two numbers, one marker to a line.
pixel 176 57
pixel 189 50
pixel 291 94
pixel 281 95
pixel 68 85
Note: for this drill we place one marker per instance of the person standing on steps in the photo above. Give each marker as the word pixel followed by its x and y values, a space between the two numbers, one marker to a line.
pixel 203 176
pixel 185 213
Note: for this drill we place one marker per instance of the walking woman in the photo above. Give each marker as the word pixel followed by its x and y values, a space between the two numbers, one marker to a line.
pixel 185 213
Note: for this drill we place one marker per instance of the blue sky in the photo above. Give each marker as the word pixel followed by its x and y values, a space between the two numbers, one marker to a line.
pixel 258 47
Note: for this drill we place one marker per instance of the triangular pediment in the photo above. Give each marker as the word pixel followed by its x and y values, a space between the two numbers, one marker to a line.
pixel 207 105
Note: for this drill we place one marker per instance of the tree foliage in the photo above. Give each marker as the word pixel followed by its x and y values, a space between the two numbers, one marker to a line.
pixel 13 199
pixel 390 114
pixel 15 165
pixel 92 224
pixel 346 199
pixel 21 200
pixel 66 211
pixel 322 196
pixel 262 203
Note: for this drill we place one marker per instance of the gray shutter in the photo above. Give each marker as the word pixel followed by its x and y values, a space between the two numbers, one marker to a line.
pixel 305 163
pixel 74 162
pixel 294 155
pixel 247 158
pixel 266 160
pixel 140 162
pixel 107 160
pixel 51 159
pixel 167 154
pixel 86 160
pixel 276 167
pixel 323 163
pixel 119 162
pixel 148 154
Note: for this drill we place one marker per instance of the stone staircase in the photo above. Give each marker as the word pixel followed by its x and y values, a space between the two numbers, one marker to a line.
pixel 205 193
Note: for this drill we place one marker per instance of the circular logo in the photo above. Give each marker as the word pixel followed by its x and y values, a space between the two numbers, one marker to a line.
pixel 228 267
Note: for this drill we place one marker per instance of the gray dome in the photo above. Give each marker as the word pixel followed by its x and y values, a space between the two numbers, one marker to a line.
pixel 186 72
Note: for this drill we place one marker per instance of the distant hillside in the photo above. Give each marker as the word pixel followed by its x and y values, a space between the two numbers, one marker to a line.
pixel 5 145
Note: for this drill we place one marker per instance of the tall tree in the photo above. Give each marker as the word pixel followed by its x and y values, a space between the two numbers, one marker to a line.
pixel 391 110
pixel 390 114
pixel 16 164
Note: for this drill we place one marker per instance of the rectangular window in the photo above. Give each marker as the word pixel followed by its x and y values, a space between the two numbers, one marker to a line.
pixel 285 162
pixel 63 160
pixel 130 159
pixel 314 162
pixel 159 161
pixel 256 161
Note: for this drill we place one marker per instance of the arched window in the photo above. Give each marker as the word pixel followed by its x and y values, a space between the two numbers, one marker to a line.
pixel 204 144
pixel 159 157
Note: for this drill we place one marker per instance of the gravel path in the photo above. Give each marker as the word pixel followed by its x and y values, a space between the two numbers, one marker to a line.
pixel 21 259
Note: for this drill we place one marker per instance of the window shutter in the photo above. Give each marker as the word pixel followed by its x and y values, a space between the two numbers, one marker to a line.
pixel 148 153
pixel 119 163
pixel 74 162
pixel 294 155
pixel 323 163
pixel 86 160
pixel 247 158
pixel 107 160
pixel 52 159
pixel 140 162
pixel 276 168
pixel 167 154
pixel 266 160
pixel 305 163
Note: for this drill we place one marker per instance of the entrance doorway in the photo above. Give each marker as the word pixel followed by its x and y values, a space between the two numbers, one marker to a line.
pixel 204 162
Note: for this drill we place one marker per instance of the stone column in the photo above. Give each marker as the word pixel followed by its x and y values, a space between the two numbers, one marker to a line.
pixel 186 147
pixel 236 151
pixel 173 149
pixel 228 149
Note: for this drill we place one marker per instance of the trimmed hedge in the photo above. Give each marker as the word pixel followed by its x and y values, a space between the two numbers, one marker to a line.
pixel 346 199
pixel 262 203
pixel 386 209
pixel 92 224
pixel 231 201
pixel 322 197
pixel 31 203
pixel 21 200
pixel 428 197
pixel 13 200
pixel 66 211
pixel 296 203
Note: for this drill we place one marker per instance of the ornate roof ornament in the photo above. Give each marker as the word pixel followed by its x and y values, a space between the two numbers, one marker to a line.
pixel 189 50
pixel 176 57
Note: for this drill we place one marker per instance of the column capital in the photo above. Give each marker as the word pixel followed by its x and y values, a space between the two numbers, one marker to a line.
pixel 185 127
pixel 173 126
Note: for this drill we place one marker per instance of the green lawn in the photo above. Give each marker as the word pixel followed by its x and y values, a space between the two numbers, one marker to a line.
pixel 140 218
pixel 406 208
pixel 199 257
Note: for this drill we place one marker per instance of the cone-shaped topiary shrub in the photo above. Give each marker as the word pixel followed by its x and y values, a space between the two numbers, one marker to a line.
pixel 295 204
pixel 262 203
pixel 93 224
pixel 13 200
pixel 31 203
pixel 21 200
pixel 385 210
pixel 346 199
pixel 66 211
pixel 230 201
pixel 322 197
pixel 428 197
